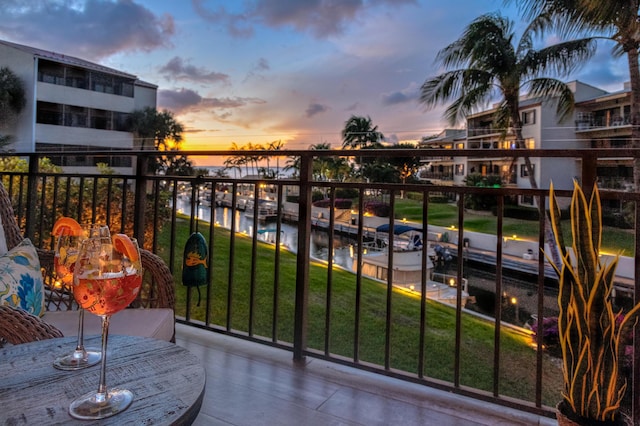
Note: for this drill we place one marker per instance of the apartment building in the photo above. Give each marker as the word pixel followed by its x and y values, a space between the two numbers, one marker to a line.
pixel 541 129
pixel 74 105
pixel 605 122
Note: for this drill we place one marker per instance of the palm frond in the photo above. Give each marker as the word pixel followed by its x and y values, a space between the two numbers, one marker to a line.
pixel 550 88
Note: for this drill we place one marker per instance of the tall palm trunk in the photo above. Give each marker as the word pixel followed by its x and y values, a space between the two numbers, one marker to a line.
pixel 634 77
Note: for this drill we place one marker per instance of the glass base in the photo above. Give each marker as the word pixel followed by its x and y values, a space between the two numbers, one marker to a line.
pixel 76 360
pixel 92 407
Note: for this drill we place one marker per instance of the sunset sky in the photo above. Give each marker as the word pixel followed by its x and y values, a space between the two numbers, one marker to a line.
pixel 265 70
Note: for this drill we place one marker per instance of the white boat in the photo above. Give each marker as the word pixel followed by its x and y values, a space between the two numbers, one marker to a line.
pixel 407 265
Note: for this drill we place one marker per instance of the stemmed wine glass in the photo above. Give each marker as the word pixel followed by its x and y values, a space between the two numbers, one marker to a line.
pixel 107 279
pixel 66 254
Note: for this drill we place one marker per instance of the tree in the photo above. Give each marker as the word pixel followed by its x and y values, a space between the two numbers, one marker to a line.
pixel 406 166
pixel 293 164
pixel 485 64
pixel 360 133
pixel 162 132
pixel 274 146
pixel 12 100
pixel 616 20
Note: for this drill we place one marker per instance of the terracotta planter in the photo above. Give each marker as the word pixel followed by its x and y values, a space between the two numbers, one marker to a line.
pixel 564 420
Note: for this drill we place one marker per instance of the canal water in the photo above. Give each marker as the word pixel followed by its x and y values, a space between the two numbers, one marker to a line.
pixel 519 299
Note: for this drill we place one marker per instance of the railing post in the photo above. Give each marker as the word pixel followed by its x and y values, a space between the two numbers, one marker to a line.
pixel 302 259
pixel 142 165
pixel 32 197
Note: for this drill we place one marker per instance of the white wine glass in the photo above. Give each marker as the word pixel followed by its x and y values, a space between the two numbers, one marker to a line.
pixel 66 254
pixel 107 279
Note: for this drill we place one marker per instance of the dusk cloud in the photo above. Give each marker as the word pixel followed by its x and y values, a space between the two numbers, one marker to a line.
pixel 315 108
pixel 182 101
pixel 409 94
pixel 176 69
pixel 91 30
pixel 321 18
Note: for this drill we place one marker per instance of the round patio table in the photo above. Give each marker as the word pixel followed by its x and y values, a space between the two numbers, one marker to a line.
pixel 167 382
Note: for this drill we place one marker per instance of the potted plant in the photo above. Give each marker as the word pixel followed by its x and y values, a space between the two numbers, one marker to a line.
pixel 591 331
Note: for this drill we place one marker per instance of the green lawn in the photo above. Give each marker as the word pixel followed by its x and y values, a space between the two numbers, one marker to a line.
pixel 614 240
pixel 236 302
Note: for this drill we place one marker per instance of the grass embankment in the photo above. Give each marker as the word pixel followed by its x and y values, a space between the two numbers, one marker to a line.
pixel 614 240
pixel 517 375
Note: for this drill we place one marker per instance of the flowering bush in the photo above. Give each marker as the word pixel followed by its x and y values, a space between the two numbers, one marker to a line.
pixel 377 208
pixel 550 336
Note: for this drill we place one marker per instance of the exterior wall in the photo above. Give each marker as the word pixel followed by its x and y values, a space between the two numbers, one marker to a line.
pixel 556 135
pixel 144 96
pixel 107 139
pixel 25 130
pixel 22 128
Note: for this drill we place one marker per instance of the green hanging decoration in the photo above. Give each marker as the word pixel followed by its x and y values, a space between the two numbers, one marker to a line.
pixel 194 262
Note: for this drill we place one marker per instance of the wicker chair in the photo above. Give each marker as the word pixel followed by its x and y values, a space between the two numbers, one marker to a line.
pixel 17 326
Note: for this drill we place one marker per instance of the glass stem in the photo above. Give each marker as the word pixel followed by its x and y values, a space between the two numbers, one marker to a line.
pixel 101 396
pixel 80 346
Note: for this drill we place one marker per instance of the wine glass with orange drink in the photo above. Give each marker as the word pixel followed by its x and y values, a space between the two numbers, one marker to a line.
pixel 107 278
pixel 69 234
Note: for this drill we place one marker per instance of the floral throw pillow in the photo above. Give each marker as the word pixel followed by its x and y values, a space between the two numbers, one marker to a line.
pixel 21 282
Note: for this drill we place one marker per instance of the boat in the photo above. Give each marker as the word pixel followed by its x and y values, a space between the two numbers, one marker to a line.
pixel 408 268
pixel 267 210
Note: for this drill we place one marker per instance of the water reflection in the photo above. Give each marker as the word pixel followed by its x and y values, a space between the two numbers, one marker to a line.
pixel 222 216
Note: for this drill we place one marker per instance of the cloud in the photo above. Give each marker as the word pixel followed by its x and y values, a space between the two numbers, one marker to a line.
pixel 408 94
pixel 315 108
pixel 183 101
pixel 261 66
pixel 92 30
pixel 177 70
pixel 321 18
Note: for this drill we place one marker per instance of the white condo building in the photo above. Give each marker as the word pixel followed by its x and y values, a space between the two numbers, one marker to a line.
pixel 73 105
pixel 600 120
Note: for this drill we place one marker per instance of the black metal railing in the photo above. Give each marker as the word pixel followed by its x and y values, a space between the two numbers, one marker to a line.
pixel 263 291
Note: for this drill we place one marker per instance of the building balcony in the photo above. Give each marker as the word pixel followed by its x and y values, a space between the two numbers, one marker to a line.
pixel 283 335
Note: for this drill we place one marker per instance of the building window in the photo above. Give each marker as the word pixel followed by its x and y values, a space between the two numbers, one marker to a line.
pixel 460 145
pixel 49 113
pixel 83 78
pixel 526 200
pixel 50 72
pixel 76 77
pixel 100 119
pixel 459 169
pixel 75 116
pixel 529 117
pixel 530 143
pixel 523 170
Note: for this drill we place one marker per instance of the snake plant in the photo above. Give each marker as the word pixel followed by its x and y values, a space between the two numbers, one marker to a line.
pixel 591 331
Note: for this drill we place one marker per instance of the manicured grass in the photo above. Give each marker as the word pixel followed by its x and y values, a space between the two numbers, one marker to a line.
pixel 251 309
pixel 614 240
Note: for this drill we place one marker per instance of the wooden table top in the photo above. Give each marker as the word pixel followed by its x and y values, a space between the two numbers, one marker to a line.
pixel 167 382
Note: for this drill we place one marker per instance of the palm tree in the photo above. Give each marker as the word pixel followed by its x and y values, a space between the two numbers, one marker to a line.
pixel 293 164
pixel 616 20
pixel 12 99
pixel 162 132
pixel 360 133
pixel 485 64
pixel 275 146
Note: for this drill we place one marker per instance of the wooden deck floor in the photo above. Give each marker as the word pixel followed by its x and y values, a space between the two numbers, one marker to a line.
pixel 253 384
